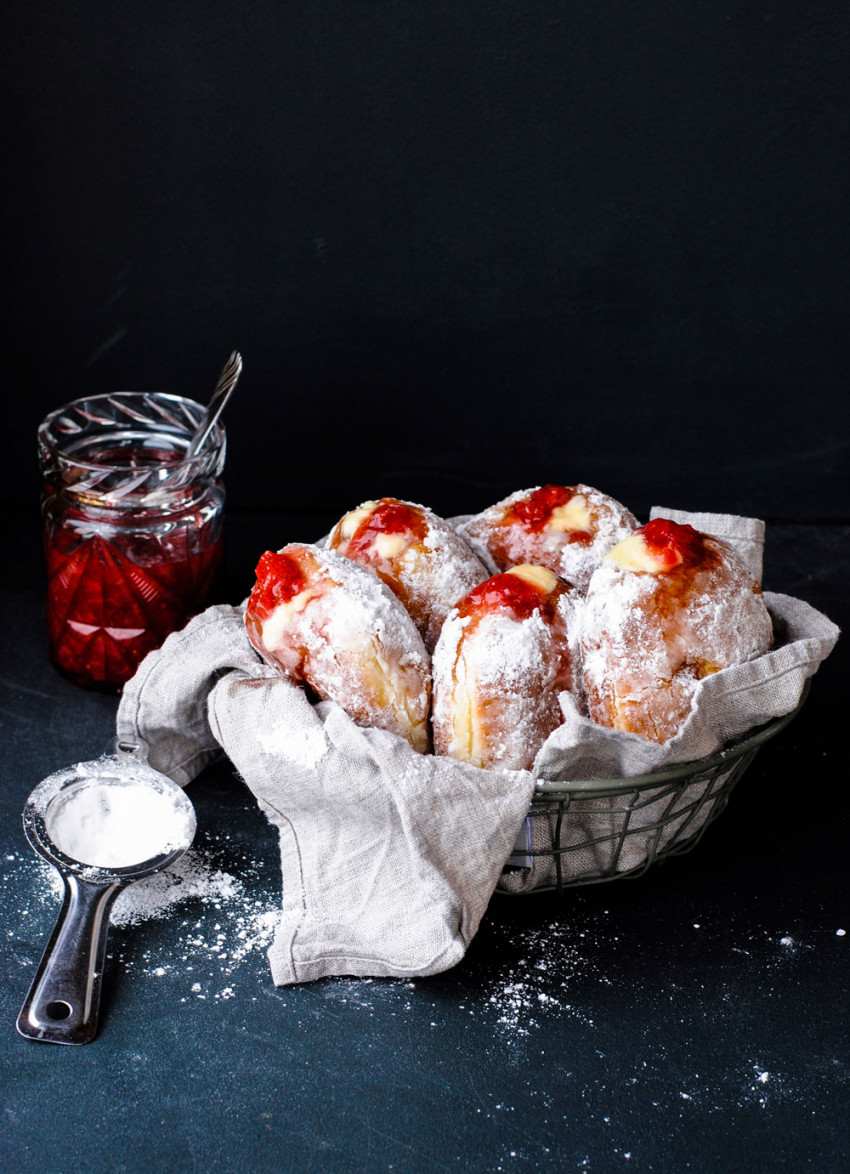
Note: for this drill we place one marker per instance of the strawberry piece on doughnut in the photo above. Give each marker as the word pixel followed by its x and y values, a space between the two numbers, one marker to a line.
pixel 660 546
pixel 668 607
pixel 416 553
pixel 505 653
pixel 567 528
pixel 331 624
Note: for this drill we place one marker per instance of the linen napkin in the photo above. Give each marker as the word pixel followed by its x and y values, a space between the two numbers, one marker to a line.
pixel 389 857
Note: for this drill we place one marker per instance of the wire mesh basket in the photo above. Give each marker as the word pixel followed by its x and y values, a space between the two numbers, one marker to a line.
pixel 588 831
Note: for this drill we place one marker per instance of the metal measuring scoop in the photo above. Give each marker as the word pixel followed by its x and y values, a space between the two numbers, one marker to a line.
pixel 87 820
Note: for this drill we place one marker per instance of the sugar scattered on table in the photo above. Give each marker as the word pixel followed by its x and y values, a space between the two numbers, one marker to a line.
pixel 245 921
pixel 191 877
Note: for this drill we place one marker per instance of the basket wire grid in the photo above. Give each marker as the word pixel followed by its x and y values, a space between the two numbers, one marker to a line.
pixel 590 831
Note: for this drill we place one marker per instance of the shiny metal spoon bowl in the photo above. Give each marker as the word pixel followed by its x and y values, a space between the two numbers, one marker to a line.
pixel 88 821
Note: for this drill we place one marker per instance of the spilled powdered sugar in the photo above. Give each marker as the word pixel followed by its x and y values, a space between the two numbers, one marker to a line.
pixel 193 877
pixel 522 984
pixel 542 983
pixel 242 926
pixel 565 1013
pixel 219 925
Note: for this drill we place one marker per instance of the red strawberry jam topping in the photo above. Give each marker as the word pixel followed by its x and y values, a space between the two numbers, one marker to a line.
pixel 672 542
pixel 505 593
pixel 535 510
pixel 279 579
pixel 390 516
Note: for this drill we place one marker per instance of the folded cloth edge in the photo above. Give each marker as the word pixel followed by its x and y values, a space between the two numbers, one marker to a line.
pixel 182 740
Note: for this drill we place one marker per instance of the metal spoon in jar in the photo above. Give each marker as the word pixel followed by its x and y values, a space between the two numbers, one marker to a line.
pixel 103 825
pixel 223 391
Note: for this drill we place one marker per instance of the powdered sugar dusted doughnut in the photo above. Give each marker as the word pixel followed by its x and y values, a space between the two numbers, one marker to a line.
pixel 326 621
pixel 505 652
pixel 417 554
pixel 567 528
pixel 667 607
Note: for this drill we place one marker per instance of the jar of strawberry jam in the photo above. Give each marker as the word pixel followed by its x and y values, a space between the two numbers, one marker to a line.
pixel 132 528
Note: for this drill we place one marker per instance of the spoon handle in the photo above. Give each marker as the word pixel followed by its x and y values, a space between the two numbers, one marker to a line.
pixel 63 1001
pixel 223 389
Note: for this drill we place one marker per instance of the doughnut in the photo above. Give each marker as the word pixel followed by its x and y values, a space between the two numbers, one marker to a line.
pixel 333 625
pixel 505 652
pixel 417 554
pixel 667 607
pixel 567 528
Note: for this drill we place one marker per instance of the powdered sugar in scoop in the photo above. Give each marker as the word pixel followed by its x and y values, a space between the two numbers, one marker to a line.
pixel 116 824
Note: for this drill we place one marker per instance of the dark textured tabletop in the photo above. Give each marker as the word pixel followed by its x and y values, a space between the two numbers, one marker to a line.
pixel 692 1019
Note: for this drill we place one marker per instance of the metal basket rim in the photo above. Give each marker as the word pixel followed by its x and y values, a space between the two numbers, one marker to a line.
pixel 553 789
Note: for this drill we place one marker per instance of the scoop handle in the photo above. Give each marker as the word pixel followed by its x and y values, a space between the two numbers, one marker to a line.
pixel 63 1001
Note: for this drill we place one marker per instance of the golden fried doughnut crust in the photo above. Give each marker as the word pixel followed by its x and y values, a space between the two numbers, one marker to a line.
pixel 668 607
pixel 325 621
pixel 416 553
pixel 505 653
pixel 567 528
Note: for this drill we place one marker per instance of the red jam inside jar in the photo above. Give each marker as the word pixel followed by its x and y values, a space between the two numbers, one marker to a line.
pixel 132 529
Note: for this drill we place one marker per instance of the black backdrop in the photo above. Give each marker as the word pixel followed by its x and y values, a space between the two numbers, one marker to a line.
pixel 463 248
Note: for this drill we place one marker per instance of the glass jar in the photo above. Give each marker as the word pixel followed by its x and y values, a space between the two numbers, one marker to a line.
pixel 132 528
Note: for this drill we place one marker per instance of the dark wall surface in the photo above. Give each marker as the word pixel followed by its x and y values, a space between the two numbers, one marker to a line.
pixel 462 248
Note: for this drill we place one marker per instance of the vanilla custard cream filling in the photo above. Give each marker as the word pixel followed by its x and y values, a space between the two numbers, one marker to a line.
pixel 572 515
pixel 467 738
pixel 389 546
pixel 633 554
pixel 540 577
pixel 277 622
pixel 355 518
pixel 385 685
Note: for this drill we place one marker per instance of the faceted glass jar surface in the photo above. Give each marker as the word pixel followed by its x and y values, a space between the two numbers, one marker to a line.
pixel 132 529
